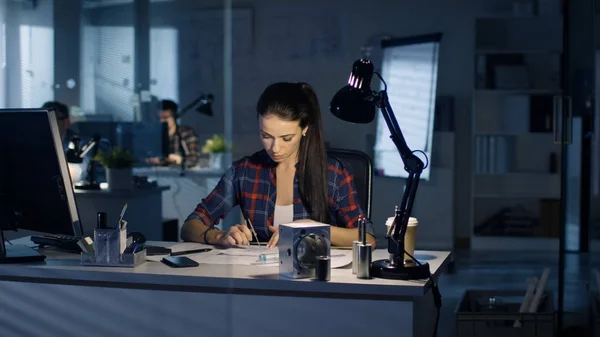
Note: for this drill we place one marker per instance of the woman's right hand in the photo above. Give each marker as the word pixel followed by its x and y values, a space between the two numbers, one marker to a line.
pixel 237 235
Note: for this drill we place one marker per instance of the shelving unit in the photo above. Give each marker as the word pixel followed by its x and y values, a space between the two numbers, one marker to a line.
pixel 515 172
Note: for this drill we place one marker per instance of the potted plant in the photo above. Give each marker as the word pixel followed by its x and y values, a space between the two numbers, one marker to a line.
pixel 119 168
pixel 216 148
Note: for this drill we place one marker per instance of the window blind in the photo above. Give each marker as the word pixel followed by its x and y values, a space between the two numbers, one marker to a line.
pixel 164 63
pixel 3 9
pixel 37 65
pixel 409 68
pixel 109 78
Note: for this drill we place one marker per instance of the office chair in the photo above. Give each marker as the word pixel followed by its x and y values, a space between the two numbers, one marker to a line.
pixel 362 166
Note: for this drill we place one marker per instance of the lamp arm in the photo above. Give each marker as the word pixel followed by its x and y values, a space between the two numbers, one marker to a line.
pixel 182 152
pixel 181 146
pixel 94 145
pixel 189 107
pixel 414 167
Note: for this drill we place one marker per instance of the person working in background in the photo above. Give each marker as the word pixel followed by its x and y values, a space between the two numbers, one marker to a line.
pixel 68 138
pixel 290 180
pixel 63 118
pixel 189 140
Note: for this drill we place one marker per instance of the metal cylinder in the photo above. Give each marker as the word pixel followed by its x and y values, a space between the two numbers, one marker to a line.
pixel 364 261
pixel 323 268
pixel 355 256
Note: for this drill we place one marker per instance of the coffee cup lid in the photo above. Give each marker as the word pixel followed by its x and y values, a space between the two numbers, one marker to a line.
pixel 411 220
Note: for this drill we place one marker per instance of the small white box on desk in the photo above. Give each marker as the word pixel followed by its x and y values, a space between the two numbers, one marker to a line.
pixel 299 245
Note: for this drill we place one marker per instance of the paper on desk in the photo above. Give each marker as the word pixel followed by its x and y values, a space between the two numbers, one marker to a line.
pixel 339 258
pixel 247 256
pixel 250 251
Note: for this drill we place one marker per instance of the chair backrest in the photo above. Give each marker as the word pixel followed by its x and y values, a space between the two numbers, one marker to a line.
pixel 362 166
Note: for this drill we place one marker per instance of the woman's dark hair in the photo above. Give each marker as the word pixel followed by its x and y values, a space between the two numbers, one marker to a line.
pixel 298 102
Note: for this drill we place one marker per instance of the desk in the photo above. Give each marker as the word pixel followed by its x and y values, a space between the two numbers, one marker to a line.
pixel 61 298
pixel 144 211
pixel 185 192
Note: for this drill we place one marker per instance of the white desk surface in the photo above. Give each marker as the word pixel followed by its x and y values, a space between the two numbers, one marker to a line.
pixel 133 192
pixel 62 268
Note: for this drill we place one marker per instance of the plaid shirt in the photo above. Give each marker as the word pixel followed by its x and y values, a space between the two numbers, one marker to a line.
pixel 190 142
pixel 251 183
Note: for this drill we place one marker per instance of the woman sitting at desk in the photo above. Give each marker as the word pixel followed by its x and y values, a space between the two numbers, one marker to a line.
pixel 291 179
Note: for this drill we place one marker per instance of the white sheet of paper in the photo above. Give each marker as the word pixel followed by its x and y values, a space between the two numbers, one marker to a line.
pixel 247 256
pixel 339 258
pixel 250 251
pixel 231 260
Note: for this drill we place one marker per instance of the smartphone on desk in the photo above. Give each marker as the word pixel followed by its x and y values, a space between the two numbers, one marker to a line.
pixel 179 262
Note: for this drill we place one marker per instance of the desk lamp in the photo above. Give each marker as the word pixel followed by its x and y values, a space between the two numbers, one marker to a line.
pixel 356 103
pixel 203 105
pixel 75 155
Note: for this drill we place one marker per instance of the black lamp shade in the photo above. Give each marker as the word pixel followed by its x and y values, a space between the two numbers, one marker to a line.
pixel 352 105
pixel 205 106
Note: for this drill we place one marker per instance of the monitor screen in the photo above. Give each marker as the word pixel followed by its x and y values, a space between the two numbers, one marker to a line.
pixel 35 186
pixel 410 69
pixel 143 139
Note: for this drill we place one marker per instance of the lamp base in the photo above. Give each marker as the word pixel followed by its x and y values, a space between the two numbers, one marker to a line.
pixel 383 269
pixel 87 187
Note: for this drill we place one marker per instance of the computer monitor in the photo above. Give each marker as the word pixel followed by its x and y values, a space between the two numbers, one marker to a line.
pixel 87 129
pixel 143 139
pixel 36 192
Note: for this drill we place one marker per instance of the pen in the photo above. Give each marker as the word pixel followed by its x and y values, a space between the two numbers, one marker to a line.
pixel 193 251
pixel 120 222
pixel 253 231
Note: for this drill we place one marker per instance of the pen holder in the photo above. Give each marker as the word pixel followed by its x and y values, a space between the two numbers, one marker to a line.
pixel 109 244
pixel 125 260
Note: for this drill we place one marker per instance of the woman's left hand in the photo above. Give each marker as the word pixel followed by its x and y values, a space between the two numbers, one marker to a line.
pixel 275 238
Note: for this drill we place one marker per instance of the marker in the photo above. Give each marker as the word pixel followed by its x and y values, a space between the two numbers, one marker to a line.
pixel 264 258
pixel 193 251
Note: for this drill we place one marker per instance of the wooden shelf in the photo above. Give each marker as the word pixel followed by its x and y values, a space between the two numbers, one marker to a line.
pixel 518 91
pixel 508 243
pixel 517 185
pixel 517 62
pixel 484 51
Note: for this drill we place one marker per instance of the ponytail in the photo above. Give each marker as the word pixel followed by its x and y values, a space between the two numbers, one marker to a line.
pixel 312 160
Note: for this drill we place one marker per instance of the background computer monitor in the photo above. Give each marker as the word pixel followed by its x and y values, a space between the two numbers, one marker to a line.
pixel 87 129
pixel 143 139
pixel 36 192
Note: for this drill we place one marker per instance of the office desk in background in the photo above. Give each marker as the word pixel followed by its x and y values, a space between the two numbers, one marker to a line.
pixel 62 298
pixel 185 192
pixel 144 211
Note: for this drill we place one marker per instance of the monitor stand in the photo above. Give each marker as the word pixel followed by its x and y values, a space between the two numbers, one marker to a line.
pixel 18 253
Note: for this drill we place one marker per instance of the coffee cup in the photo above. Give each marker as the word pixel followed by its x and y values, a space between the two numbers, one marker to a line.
pixel 409 237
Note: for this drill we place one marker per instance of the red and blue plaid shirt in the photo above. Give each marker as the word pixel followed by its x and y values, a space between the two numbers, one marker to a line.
pixel 251 184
